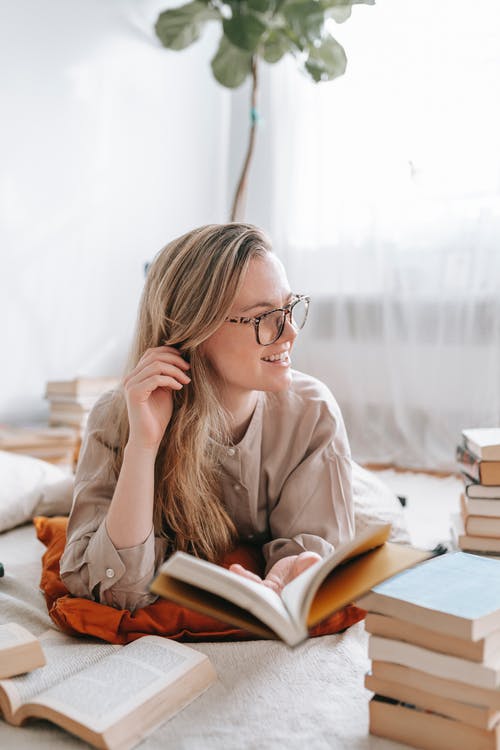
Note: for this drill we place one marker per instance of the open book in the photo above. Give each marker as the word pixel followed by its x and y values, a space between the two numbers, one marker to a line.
pixel 110 696
pixel 322 589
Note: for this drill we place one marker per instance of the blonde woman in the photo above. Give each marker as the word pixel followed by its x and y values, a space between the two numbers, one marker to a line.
pixel 212 438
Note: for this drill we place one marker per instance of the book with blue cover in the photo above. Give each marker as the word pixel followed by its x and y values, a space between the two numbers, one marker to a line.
pixel 456 594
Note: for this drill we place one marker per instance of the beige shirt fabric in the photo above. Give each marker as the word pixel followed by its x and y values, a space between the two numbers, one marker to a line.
pixel 287 485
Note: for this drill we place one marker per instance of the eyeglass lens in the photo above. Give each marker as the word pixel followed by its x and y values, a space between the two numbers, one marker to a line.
pixel 271 325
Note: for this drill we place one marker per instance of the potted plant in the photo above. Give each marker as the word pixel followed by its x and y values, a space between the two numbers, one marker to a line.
pixel 256 30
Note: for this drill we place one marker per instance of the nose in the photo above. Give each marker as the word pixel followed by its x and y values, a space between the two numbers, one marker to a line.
pixel 289 332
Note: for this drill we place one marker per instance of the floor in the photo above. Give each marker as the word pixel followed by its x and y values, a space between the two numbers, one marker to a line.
pixel 430 502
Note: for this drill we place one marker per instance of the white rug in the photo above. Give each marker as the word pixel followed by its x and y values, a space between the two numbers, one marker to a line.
pixel 430 502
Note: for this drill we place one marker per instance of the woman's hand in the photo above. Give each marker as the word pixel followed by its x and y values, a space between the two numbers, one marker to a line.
pixel 148 393
pixel 282 572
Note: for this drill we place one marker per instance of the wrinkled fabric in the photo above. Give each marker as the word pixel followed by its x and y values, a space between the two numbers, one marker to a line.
pixel 79 616
pixel 287 485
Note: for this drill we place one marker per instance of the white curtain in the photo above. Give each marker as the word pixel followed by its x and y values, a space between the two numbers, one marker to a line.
pixel 385 204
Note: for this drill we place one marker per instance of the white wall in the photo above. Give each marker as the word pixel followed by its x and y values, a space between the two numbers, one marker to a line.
pixel 109 147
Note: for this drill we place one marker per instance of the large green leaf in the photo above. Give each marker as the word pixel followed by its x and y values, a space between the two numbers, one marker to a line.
pixel 326 61
pixel 244 31
pixel 179 27
pixel 275 45
pixel 305 18
pixel 231 65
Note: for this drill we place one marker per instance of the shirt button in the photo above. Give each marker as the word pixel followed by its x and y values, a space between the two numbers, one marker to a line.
pixel 110 573
pixel 231 451
pixel 237 487
pixel 251 536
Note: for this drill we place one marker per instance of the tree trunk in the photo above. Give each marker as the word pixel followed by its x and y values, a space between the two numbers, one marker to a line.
pixel 239 203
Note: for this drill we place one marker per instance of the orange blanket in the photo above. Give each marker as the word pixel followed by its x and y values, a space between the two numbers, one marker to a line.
pixel 77 616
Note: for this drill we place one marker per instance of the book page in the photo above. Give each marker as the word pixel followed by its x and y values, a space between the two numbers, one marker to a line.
pixel 299 593
pixel 252 596
pixel 109 690
pixel 65 656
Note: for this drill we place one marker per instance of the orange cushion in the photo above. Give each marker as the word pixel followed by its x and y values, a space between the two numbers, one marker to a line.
pixel 76 615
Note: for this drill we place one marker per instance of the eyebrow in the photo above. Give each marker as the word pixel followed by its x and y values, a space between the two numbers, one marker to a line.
pixel 270 305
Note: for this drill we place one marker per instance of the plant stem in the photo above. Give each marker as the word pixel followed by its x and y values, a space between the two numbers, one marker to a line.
pixel 238 209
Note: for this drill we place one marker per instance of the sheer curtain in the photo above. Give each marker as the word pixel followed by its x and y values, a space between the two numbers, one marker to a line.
pixel 385 205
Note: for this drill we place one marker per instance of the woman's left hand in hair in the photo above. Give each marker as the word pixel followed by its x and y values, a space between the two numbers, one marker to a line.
pixel 282 572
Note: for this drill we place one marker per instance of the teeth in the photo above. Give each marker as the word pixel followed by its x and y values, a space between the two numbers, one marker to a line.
pixel 276 357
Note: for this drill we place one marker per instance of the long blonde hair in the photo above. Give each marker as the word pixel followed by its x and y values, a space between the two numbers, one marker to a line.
pixel 189 290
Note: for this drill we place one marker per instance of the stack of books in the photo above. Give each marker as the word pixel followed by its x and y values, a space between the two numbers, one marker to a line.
pixel 478 456
pixel 72 400
pixel 435 649
pixel 58 445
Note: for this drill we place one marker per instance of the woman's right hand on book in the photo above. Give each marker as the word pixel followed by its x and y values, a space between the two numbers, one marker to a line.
pixel 148 393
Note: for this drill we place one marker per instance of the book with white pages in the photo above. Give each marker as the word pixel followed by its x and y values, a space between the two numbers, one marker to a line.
pixel 483 441
pixel 482 491
pixel 437 664
pixel 481 507
pixel 322 589
pixel 110 696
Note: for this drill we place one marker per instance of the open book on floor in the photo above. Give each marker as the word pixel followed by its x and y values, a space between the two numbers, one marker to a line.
pixel 109 696
pixel 309 599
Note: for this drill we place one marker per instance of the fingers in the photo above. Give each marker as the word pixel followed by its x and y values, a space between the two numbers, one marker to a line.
pixel 274 583
pixel 162 352
pixel 141 391
pixel 165 354
pixel 304 561
pixel 240 570
pixel 150 374
pixel 157 368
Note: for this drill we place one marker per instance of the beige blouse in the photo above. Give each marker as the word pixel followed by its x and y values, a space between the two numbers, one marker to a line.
pixel 286 485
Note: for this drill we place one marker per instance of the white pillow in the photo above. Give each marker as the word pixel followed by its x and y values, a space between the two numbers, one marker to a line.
pixel 24 483
pixel 375 501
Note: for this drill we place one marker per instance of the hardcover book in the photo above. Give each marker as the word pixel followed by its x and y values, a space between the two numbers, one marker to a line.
pixel 309 599
pixel 477 525
pixel 484 472
pixel 475 490
pixel 440 665
pixel 476 715
pixel 483 545
pixel 476 506
pixel 438 686
pixel 457 594
pixel 483 441
pixel 484 650
pixel 419 728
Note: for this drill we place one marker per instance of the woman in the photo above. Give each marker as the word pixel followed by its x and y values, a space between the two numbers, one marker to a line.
pixel 212 438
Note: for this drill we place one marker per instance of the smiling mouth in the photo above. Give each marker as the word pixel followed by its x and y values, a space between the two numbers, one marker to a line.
pixel 281 358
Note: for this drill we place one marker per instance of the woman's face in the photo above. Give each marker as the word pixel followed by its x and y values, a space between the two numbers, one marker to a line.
pixel 233 350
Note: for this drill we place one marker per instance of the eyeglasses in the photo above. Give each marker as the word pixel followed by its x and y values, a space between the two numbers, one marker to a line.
pixel 269 326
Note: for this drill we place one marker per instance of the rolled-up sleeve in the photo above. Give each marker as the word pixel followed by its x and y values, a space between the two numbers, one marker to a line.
pixel 314 510
pixel 91 566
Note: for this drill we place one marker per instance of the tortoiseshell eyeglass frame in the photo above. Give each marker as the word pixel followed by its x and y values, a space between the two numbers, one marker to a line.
pixel 286 310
